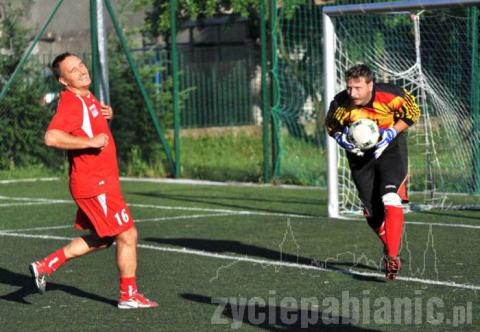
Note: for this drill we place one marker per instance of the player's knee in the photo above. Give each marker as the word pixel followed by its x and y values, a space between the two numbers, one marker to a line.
pixel 128 237
pixel 392 199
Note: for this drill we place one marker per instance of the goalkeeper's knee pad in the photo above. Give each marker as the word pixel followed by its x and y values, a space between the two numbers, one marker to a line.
pixel 392 199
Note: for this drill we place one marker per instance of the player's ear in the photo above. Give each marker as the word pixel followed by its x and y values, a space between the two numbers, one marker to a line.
pixel 370 86
pixel 62 81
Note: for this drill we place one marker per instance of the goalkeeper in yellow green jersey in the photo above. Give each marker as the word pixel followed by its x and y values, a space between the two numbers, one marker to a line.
pixel 380 173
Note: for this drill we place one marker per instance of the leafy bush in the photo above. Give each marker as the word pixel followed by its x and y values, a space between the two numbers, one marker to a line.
pixel 23 116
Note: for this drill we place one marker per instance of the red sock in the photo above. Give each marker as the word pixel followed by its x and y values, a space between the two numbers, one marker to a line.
pixel 54 261
pixel 128 287
pixel 393 228
pixel 380 231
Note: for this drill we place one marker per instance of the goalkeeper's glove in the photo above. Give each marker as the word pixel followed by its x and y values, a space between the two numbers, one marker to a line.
pixel 342 140
pixel 387 135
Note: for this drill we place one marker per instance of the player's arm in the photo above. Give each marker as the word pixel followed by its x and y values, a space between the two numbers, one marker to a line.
pixel 60 139
pixel 400 126
pixel 408 112
pixel 332 123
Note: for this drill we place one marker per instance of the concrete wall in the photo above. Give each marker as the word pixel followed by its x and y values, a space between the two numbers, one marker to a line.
pixel 70 28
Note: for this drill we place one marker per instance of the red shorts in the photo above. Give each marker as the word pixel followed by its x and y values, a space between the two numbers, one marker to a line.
pixel 107 214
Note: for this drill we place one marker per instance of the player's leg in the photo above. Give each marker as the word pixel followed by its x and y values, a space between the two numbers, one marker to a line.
pixel 363 175
pixel 127 252
pixel 77 247
pixel 130 298
pixel 86 244
pixel 127 262
pixel 376 218
pixel 392 229
pixel 392 173
pixel 120 221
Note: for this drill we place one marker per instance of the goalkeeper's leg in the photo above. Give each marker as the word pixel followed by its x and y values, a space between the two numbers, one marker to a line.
pixel 392 174
pixel 393 232
pixel 375 215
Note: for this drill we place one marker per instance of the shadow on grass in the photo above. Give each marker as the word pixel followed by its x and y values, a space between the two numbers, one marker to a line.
pixel 270 317
pixel 27 288
pixel 236 247
pixel 214 200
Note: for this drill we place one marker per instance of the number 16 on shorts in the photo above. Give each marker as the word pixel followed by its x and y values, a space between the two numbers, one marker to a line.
pixel 122 217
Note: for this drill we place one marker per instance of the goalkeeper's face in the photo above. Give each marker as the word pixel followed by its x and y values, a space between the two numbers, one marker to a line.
pixel 359 90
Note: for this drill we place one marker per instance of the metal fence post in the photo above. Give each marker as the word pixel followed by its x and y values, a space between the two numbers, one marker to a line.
pixel 176 97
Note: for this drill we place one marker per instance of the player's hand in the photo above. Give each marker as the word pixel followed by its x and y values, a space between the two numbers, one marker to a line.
pixel 106 111
pixel 99 142
pixel 342 140
pixel 387 135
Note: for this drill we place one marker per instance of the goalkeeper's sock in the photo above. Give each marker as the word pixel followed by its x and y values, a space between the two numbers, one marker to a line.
pixel 393 229
pixel 54 261
pixel 128 287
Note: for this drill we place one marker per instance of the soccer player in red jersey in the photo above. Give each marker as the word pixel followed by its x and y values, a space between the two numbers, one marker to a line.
pixel 80 126
pixel 379 174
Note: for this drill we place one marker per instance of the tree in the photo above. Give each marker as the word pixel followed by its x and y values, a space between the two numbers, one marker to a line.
pixel 158 11
pixel 24 117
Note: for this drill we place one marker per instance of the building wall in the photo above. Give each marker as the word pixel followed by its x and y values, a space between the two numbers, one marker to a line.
pixel 69 30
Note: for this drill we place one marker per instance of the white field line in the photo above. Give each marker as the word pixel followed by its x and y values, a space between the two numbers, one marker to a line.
pixel 210 183
pixel 43 228
pixel 31 199
pixel 444 225
pixel 29 180
pixel 207 182
pixel 163 207
pixel 264 262
pixel 306 267
pixel 30 203
pixel 39 201
pixel 242 212
pixel 191 216
pixel 180 181
pixel 36 236
pixel 216 183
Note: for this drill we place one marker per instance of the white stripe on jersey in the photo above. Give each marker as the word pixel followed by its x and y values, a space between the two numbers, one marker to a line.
pixel 86 125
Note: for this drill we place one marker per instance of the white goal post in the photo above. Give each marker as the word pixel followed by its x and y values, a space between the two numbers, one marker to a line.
pixel 413 76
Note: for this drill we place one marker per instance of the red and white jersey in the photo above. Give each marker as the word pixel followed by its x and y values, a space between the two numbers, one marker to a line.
pixel 92 171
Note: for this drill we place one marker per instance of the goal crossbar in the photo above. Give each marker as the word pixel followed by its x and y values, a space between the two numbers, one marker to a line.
pixel 397 6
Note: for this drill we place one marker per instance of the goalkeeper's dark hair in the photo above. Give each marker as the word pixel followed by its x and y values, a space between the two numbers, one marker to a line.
pixel 358 71
pixel 57 61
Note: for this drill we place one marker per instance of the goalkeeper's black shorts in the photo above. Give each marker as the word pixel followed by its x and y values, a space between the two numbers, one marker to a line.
pixel 377 177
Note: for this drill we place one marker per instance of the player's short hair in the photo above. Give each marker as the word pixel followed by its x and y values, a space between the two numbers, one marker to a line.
pixel 57 61
pixel 358 71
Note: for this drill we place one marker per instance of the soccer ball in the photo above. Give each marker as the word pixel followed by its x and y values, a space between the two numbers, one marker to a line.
pixel 364 134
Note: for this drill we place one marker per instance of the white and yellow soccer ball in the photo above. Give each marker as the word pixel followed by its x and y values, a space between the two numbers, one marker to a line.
pixel 364 134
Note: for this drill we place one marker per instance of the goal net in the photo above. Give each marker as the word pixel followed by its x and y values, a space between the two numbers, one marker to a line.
pixel 434 54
